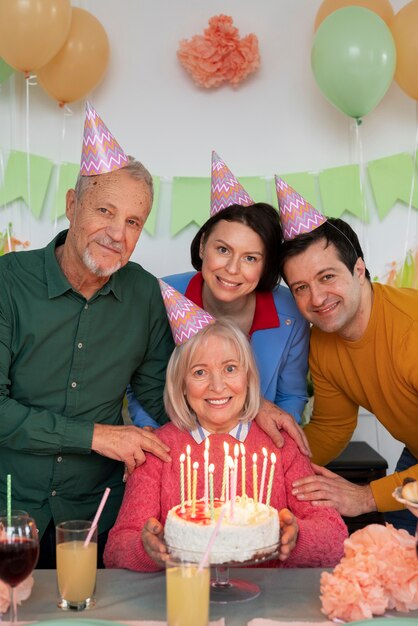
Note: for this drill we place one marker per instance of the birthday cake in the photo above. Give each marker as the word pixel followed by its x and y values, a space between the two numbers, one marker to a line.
pixel 247 532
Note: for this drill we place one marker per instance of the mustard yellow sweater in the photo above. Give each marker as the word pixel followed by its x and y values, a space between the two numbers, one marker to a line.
pixel 378 372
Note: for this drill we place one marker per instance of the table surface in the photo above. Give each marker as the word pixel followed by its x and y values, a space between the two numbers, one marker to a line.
pixel 286 594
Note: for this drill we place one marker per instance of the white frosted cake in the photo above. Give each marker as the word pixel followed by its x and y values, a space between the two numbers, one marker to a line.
pixel 252 532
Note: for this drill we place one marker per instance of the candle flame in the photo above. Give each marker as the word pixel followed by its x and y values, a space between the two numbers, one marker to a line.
pixel 255 457
pixel 188 449
pixel 207 443
pixel 236 450
pixel 273 457
pixel 242 447
pixel 195 465
pixel 206 455
pixel 182 458
pixel 264 451
pixel 226 448
pixel 211 468
pixel 231 463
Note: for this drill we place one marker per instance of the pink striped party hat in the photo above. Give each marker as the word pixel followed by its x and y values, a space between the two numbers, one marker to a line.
pixel 225 189
pixel 185 317
pixel 101 153
pixel 297 215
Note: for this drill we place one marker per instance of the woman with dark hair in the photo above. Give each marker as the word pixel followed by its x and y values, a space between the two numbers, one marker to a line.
pixel 236 258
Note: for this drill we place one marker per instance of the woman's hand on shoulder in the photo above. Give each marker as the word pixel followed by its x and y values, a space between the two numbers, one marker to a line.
pixel 153 541
pixel 289 531
pixel 273 419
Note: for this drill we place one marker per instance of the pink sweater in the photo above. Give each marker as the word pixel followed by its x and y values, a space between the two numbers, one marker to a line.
pixel 154 488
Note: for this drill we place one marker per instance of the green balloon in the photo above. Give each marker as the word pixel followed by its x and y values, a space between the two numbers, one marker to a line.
pixel 353 59
pixel 5 71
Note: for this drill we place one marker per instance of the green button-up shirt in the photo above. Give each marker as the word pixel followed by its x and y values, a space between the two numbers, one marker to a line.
pixel 65 363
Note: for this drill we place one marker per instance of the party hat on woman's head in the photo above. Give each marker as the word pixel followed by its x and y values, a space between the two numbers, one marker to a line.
pixel 225 189
pixel 185 317
pixel 101 152
pixel 297 216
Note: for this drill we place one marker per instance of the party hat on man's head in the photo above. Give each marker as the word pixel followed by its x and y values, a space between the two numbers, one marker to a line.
pixel 225 189
pixel 185 317
pixel 297 215
pixel 101 152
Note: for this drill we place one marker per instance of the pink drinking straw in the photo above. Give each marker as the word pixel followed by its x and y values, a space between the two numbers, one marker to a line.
pixel 97 516
pixel 205 557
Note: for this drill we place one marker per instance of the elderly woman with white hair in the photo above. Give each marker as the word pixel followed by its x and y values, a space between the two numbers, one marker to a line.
pixel 212 390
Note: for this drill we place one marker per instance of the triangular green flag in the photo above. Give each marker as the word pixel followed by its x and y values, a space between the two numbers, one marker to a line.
pixel 391 180
pixel 151 222
pixel 256 187
pixel 340 190
pixel 190 202
pixel 16 180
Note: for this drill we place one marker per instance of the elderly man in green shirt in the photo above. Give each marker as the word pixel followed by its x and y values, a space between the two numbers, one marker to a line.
pixel 78 323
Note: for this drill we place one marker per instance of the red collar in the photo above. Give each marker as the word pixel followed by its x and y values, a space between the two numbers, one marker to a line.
pixel 265 315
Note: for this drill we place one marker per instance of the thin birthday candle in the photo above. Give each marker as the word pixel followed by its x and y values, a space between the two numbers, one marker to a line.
pixel 270 485
pixel 212 510
pixel 225 472
pixel 231 478
pixel 255 479
pixel 9 499
pixel 206 474
pixel 236 455
pixel 195 468
pixel 189 475
pixel 263 474
pixel 243 468
pixel 182 459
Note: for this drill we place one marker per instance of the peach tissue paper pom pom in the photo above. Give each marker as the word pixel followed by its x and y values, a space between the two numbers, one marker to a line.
pixel 22 592
pixel 219 55
pixel 379 572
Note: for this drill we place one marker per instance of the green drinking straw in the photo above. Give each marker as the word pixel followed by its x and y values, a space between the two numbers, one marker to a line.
pixel 9 499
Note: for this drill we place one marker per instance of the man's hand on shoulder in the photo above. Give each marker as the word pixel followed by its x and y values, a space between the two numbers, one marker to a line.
pixel 127 444
pixel 272 419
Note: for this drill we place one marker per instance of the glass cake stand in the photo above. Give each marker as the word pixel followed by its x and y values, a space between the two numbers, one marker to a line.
pixel 223 589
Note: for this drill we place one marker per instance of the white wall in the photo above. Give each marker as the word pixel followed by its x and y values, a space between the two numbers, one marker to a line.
pixel 276 121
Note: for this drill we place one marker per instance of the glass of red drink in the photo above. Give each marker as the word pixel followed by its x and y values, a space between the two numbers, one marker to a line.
pixel 19 551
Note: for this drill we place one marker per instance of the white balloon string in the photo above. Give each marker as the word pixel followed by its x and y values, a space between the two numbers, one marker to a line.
pixel 360 163
pixel 28 146
pixel 411 196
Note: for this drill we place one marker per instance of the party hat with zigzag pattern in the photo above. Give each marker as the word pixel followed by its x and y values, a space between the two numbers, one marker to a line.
pixel 185 317
pixel 225 189
pixel 101 153
pixel 297 215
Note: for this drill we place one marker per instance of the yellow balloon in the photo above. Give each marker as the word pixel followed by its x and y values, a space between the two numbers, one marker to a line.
pixel 81 63
pixel 404 30
pixel 383 8
pixel 32 31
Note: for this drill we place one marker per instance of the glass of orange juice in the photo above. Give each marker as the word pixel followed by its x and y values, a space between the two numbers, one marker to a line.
pixel 187 593
pixel 76 565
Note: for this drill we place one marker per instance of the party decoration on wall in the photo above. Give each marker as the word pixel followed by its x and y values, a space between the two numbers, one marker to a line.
pixel 5 71
pixel 383 8
pixel 402 274
pixel 80 64
pixel 353 60
pixel 340 189
pixel 101 153
pixel 15 184
pixel 9 243
pixel 391 178
pixel 219 55
pixel 404 30
pixel 32 31
pixel 225 188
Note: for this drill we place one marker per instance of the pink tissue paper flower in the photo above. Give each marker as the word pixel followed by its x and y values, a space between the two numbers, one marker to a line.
pixel 219 55
pixel 22 592
pixel 379 571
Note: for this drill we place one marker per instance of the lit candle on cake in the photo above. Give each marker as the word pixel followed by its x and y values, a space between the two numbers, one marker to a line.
pixel 182 459
pixel 225 474
pixel 189 475
pixel 194 494
pixel 270 485
pixel 236 455
pixel 231 478
pixel 212 510
pixel 255 479
pixel 206 474
pixel 243 468
pixel 263 473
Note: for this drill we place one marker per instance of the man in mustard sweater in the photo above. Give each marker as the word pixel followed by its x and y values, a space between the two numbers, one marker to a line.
pixel 363 352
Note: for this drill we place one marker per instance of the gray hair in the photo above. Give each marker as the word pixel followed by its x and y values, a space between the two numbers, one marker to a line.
pixel 175 401
pixel 135 169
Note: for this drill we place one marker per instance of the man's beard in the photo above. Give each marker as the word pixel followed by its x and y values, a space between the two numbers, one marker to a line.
pixel 94 267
